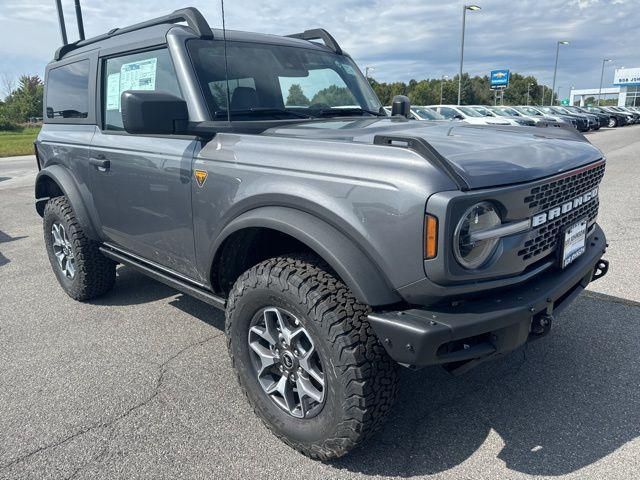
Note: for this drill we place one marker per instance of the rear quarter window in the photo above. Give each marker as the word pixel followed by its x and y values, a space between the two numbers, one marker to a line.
pixel 67 90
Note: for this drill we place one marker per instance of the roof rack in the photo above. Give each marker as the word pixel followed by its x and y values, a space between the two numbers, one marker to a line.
pixel 319 34
pixel 192 16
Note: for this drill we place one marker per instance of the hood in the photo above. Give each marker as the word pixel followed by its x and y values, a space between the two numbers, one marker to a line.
pixel 483 156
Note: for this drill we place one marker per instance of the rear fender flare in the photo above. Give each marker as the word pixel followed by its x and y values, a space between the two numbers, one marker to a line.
pixel 65 182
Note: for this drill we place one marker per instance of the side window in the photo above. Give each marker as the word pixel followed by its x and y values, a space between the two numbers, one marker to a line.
pixel 140 71
pixel 447 112
pixel 68 91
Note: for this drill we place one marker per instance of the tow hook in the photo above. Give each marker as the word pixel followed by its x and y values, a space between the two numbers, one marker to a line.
pixel 600 270
pixel 541 325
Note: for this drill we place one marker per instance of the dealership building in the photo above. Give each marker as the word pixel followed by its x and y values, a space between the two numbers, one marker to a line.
pixel 626 85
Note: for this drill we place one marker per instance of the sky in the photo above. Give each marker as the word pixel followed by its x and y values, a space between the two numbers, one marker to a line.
pixel 400 39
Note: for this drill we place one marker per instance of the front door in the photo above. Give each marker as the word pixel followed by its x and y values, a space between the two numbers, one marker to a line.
pixel 141 185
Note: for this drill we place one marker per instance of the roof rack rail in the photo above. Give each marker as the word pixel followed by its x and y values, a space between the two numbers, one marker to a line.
pixel 192 16
pixel 319 34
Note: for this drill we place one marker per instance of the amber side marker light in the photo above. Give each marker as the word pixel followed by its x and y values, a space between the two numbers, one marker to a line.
pixel 430 236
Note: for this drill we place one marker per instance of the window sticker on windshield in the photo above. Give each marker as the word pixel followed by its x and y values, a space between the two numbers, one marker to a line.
pixel 113 91
pixel 348 68
pixel 139 75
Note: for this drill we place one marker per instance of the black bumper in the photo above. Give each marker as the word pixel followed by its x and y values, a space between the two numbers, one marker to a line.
pixel 475 330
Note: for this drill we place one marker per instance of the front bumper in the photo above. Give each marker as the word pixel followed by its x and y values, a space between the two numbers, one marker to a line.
pixel 472 331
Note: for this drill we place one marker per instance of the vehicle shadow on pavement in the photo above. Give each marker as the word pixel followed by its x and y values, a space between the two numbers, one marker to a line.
pixel 134 288
pixel 551 408
pixel 4 238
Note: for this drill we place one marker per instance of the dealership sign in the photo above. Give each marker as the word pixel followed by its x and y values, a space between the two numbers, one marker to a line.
pixel 499 78
pixel 627 76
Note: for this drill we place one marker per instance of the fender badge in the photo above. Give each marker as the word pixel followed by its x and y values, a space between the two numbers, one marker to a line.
pixel 201 177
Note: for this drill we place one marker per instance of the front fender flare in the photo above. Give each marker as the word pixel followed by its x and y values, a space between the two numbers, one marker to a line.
pixel 358 271
pixel 65 182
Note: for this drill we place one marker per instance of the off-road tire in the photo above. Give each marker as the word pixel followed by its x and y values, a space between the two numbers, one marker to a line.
pixel 362 379
pixel 95 274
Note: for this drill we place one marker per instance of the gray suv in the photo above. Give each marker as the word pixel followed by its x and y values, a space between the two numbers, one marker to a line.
pixel 260 174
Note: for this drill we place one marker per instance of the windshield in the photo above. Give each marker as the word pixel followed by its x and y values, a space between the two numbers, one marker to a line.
pixel 280 82
pixel 427 113
pixel 500 112
pixel 469 112
pixel 530 111
pixel 483 111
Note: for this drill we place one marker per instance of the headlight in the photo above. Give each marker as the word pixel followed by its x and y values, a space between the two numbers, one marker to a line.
pixel 472 254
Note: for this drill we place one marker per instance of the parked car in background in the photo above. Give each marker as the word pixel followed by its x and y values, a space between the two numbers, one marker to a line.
pixel 467 114
pixel 594 123
pixel 582 124
pixel 603 120
pixel 555 120
pixel 482 110
pixel 421 113
pixel 519 117
pixel 615 119
pixel 628 116
pixel 636 115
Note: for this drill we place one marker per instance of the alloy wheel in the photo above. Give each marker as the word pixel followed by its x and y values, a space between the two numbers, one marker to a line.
pixel 286 362
pixel 63 250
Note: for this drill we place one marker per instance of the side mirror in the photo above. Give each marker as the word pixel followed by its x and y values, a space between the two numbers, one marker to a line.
pixel 400 106
pixel 149 112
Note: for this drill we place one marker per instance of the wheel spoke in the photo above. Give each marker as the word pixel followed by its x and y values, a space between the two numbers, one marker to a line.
pixel 57 238
pixel 267 358
pixel 306 389
pixel 71 268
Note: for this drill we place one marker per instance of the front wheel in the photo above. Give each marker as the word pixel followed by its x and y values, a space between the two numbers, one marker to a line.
pixel 613 122
pixel 307 358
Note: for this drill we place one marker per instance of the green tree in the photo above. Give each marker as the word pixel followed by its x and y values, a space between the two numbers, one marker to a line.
pixel 25 101
pixel 334 96
pixel 297 97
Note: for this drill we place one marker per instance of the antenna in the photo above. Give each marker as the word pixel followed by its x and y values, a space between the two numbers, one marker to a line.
pixel 79 20
pixel 226 64
pixel 63 30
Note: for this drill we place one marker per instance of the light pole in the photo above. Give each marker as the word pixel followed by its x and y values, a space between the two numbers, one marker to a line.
pixel 528 87
pixel 473 8
pixel 366 71
pixel 555 69
pixel 542 99
pixel 444 77
pixel 605 60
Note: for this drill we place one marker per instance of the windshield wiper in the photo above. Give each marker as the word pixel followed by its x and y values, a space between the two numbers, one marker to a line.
pixel 262 111
pixel 346 111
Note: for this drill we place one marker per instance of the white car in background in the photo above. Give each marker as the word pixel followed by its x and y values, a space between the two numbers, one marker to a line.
pixel 468 115
pixel 421 113
pixel 489 112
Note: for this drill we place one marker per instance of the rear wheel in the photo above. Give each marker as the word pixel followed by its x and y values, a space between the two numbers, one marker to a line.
pixel 82 271
pixel 307 358
pixel 613 122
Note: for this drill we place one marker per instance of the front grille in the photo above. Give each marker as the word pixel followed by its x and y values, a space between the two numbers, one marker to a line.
pixel 545 239
pixel 557 192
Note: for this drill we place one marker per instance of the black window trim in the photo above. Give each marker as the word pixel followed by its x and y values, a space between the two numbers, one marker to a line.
pixel 91 57
pixel 113 53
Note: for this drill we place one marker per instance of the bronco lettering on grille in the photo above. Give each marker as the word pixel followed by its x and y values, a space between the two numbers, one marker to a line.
pixel 544 217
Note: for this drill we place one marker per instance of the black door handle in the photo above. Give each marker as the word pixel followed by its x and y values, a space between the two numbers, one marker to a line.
pixel 101 163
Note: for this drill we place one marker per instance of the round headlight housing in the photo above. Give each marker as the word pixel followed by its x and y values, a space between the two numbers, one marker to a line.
pixel 469 253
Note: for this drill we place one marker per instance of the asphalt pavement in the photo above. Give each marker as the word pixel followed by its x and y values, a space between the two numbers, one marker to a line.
pixel 138 383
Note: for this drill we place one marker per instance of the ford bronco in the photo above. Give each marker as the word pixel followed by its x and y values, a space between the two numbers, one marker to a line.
pixel 260 174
